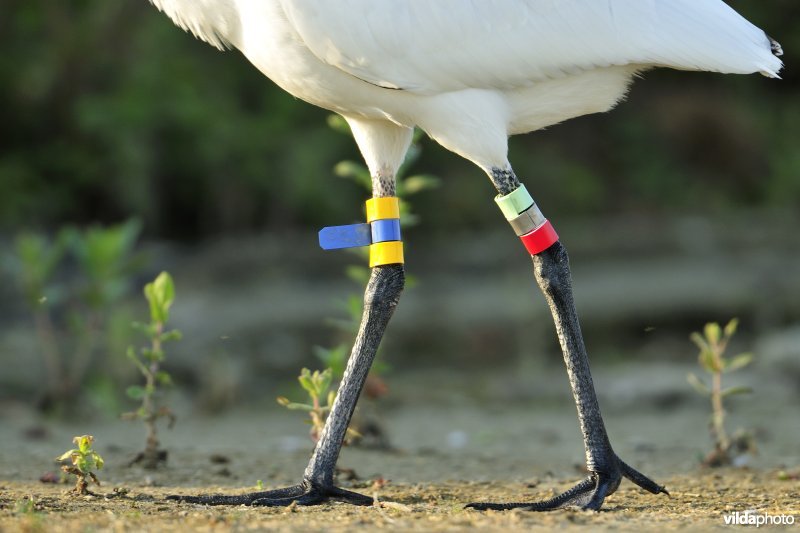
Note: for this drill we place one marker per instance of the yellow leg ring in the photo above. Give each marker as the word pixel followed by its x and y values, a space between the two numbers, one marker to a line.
pixel 383 208
pixel 386 253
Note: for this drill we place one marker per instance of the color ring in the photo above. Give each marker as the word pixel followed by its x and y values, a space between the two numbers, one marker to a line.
pixel 528 221
pixel 383 208
pixel 515 202
pixel 540 239
pixel 386 253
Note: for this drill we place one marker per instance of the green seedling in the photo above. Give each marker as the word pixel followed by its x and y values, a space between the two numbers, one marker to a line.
pixel 25 506
pixel 84 460
pixel 31 517
pixel 712 344
pixel 317 385
pixel 159 294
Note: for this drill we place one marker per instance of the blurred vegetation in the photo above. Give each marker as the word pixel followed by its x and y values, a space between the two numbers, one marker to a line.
pixel 110 111
pixel 73 285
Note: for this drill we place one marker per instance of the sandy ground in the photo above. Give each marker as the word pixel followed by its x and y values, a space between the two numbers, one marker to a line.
pixel 503 439
pixel 697 502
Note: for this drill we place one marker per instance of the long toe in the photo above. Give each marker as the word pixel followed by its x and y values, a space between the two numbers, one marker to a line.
pixel 588 494
pixel 640 479
pixel 577 496
pixel 346 496
pixel 305 493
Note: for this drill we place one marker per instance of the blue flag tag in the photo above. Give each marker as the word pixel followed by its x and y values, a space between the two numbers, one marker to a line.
pixel 349 236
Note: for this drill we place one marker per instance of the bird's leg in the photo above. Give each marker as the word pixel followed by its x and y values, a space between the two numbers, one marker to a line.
pixel 606 470
pixel 382 295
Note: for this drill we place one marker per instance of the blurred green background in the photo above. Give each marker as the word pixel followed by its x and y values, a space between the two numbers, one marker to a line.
pixel 109 112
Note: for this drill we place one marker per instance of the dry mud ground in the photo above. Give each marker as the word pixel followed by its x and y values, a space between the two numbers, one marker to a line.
pixel 501 440
pixel 697 502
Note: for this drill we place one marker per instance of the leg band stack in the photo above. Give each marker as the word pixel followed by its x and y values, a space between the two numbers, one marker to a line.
pixel 381 233
pixel 535 231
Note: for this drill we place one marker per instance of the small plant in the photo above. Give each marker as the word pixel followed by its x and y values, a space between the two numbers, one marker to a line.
pixel 25 506
pixel 160 294
pixel 317 385
pixel 712 344
pixel 71 306
pixel 84 460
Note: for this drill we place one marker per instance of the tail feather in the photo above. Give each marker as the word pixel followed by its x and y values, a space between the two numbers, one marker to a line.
pixel 777 51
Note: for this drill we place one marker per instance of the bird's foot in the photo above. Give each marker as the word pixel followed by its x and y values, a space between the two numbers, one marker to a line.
pixel 588 494
pixel 306 493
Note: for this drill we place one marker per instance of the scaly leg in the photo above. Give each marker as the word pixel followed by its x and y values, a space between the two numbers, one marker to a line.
pixel 551 268
pixel 382 295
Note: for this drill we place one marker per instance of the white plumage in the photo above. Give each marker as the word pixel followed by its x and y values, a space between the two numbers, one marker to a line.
pixel 471 72
pixel 450 45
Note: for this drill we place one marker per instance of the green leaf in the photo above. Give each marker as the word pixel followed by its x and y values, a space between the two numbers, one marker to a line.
pixel 699 341
pixel 740 361
pixel 324 381
pixel 153 355
pixel 172 335
pixel 730 327
pixel 135 392
pixel 713 333
pixel 335 358
pixel 732 391
pixel 130 353
pixel 306 381
pixel 147 329
pixel 419 183
pixel 67 455
pixel 299 406
pixel 98 460
pixel 707 361
pixel 338 123
pixel 163 377
pixel 160 293
pixel 82 464
pixel 697 384
pixel 84 443
pixel 353 171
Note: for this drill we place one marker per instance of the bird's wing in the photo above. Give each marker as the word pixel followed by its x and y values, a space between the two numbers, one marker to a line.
pixel 432 46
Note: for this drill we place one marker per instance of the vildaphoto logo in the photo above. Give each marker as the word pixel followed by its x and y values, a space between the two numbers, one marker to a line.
pixel 752 518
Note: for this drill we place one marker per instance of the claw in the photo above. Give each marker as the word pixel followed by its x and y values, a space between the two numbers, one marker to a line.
pixel 588 494
pixel 306 493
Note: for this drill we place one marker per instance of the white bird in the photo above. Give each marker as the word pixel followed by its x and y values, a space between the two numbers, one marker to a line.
pixel 470 73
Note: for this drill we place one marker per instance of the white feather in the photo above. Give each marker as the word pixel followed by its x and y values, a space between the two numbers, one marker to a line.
pixel 446 45
pixel 471 72
pixel 213 21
